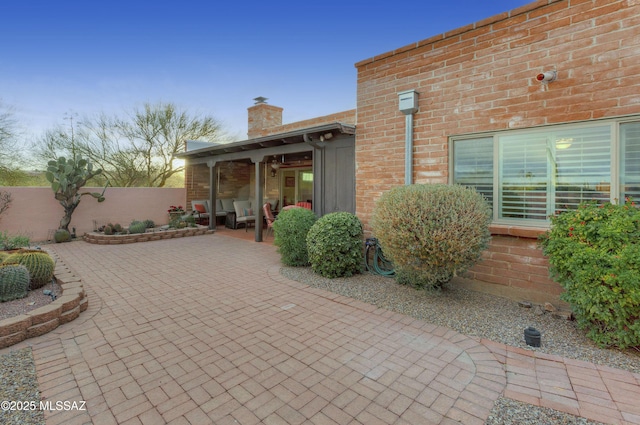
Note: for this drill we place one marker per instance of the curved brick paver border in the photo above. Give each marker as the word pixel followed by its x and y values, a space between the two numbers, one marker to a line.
pixel 67 307
pixel 205 330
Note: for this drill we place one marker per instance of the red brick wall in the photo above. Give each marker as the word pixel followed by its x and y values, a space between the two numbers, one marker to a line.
pixel 345 117
pixel 481 77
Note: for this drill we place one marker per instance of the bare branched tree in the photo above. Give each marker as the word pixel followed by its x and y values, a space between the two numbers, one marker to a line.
pixel 137 150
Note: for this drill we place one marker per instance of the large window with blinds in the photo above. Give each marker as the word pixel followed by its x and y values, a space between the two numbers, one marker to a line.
pixel 528 175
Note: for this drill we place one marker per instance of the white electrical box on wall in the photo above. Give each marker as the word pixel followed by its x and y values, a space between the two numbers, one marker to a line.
pixel 408 101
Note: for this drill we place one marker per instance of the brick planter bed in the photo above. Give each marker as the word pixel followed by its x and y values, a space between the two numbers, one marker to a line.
pixel 38 322
pixel 151 235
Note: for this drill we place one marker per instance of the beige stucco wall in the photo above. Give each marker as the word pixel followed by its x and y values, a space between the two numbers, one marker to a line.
pixel 35 212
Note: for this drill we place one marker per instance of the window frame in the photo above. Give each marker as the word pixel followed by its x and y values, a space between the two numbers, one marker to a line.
pixel 614 165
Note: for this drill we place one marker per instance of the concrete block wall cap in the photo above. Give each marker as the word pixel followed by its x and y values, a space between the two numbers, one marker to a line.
pixel 45 314
pixel 42 328
pixel 14 324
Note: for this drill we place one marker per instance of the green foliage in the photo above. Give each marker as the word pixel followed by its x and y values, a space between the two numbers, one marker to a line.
pixel 117 228
pixel 14 282
pixel 39 263
pixel 3 256
pixel 13 242
pixel 334 245
pixel 137 227
pixel 62 235
pixel 108 229
pixel 149 224
pixel 180 222
pixel 67 178
pixel 594 252
pixel 431 232
pixel 290 235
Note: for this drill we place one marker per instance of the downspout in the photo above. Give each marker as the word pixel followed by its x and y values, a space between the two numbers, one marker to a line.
pixel 408 105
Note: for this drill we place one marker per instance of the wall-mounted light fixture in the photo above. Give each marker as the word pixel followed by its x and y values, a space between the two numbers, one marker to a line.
pixel 326 136
pixel 547 77
pixel 275 166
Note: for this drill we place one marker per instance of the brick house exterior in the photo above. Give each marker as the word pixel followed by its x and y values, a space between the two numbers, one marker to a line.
pixel 481 80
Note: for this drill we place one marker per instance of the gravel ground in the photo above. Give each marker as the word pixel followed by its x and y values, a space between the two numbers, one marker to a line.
pixel 19 383
pixel 476 314
pixel 33 300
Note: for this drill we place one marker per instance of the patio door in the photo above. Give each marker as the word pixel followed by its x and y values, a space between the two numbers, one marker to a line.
pixel 296 186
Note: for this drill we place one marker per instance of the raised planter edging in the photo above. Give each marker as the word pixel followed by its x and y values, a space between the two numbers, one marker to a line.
pixel 66 307
pixel 102 239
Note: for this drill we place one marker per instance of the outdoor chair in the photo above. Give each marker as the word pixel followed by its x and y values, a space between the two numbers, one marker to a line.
pixel 306 205
pixel 200 213
pixel 268 216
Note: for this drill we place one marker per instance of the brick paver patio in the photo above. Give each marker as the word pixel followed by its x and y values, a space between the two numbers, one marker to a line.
pixel 204 330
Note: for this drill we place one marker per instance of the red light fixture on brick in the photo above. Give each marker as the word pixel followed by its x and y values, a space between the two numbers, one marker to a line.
pixel 547 77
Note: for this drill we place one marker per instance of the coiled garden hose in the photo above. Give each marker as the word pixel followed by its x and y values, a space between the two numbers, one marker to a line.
pixel 375 260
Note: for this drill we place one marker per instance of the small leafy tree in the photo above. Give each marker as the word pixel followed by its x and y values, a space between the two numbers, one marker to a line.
pixel 67 177
pixel 594 253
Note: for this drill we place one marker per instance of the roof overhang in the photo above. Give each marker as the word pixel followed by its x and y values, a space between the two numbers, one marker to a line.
pixel 289 142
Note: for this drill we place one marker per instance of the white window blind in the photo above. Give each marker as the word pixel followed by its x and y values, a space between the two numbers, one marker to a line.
pixel 523 177
pixel 582 164
pixel 473 165
pixel 630 160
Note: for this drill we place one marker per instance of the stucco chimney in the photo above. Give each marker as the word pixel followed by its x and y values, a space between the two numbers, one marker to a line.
pixel 262 117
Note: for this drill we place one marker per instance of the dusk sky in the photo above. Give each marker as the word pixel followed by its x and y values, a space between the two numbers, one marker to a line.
pixel 208 57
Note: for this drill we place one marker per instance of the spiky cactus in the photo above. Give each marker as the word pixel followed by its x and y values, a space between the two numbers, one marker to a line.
pixel 137 227
pixel 39 263
pixel 66 178
pixel 14 282
pixel 62 235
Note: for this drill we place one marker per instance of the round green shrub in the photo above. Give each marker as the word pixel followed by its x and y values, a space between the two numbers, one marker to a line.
pixel 432 232
pixel 149 224
pixel 290 235
pixel 39 263
pixel 108 229
pixel 334 245
pixel 594 253
pixel 14 282
pixel 117 228
pixel 62 235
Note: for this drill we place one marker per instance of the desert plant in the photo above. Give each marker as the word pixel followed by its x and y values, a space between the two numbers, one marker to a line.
pixel 108 229
pixel 62 235
pixel 431 232
pixel 149 224
pixel 3 256
pixel 137 227
pixel 290 235
pixel 13 242
pixel 594 252
pixel 334 245
pixel 117 228
pixel 39 263
pixel 14 282
pixel 67 178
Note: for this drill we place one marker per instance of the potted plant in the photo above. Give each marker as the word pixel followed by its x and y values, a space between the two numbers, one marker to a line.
pixel 175 212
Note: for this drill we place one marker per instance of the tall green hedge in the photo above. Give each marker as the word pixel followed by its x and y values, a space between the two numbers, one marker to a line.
pixel 594 252
pixel 334 244
pixel 290 235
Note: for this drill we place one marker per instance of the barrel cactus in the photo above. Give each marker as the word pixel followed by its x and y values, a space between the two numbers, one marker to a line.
pixel 62 235
pixel 14 282
pixel 137 227
pixel 39 263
